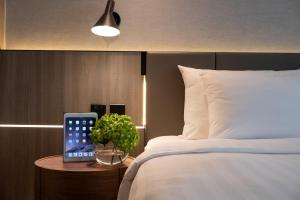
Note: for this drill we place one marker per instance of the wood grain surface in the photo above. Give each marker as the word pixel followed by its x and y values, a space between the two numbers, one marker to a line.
pixel 57 180
pixel 56 163
pixel 19 148
pixel 39 86
pixel 2 22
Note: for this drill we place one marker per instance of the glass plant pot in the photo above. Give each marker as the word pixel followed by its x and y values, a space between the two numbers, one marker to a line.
pixel 109 154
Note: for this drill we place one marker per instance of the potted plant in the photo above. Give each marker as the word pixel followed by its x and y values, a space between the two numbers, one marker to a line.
pixel 114 135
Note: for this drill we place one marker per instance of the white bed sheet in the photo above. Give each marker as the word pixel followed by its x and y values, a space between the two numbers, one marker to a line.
pixel 214 169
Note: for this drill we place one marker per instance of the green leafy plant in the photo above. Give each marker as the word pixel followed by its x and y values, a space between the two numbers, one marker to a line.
pixel 118 129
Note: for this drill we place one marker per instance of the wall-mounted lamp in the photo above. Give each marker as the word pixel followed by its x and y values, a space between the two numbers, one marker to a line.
pixel 108 24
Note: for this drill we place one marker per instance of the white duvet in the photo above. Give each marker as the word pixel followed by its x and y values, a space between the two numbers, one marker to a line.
pixel 172 168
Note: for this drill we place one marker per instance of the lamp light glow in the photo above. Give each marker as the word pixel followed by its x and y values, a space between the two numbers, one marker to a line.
pixel 108 24
pixel 105 31
pixel 29 126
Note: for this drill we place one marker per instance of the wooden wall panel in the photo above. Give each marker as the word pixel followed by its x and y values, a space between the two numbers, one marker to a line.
pixel 107 78
pixel 141 145
pixel 19 148
pixel 31 83
pixel 2 20
pixel 39 86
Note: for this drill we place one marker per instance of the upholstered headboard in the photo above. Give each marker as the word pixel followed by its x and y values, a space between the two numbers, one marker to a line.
pixel 165 87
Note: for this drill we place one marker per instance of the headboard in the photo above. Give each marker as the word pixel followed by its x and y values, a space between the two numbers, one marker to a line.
pixel 165 87
pixel 165 90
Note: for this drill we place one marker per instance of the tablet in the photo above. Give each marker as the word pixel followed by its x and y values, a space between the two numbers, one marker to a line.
pixel 77 141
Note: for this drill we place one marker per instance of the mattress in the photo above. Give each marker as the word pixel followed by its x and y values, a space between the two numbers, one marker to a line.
pixel 213 169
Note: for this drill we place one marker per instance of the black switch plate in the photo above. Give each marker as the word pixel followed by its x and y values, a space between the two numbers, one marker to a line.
pixel 99 109
pixel 117 108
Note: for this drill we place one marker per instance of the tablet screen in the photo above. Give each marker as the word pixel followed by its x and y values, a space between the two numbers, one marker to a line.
pixel 78 144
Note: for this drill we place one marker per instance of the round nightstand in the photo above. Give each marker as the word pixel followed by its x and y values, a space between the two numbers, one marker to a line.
pixel 55 179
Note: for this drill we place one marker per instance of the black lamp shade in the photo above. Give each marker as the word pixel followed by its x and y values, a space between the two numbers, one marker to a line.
pixel 108 24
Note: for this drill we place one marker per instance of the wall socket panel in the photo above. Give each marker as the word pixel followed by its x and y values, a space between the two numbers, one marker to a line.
pixel 117 108
pixel 99 109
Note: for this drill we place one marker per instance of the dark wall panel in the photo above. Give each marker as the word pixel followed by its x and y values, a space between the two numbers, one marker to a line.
pixel 165 87
pixel 165 90
pixel 19 148
pixel 257 61
pixel 31 86
pixel 37 87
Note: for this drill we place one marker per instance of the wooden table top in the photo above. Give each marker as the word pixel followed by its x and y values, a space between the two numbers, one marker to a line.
pixel 56 163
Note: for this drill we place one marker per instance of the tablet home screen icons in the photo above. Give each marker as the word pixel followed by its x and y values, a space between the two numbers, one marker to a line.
pixel 77 137
pixel 80 154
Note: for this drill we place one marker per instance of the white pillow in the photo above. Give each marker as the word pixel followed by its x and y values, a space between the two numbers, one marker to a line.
pixel 253 104
pixel 195 106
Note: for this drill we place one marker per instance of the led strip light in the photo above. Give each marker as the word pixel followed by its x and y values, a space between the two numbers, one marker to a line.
pixel 61 126
pixel 29 126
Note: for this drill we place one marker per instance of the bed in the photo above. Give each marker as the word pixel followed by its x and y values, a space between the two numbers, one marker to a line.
pixel 256 158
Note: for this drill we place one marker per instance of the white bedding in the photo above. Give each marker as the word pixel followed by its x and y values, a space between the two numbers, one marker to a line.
pixel 173 168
